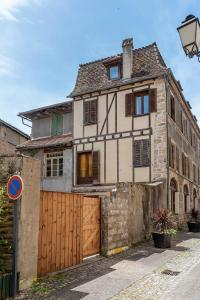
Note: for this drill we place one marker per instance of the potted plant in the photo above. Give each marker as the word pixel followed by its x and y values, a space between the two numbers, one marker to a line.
pixel 164 229
pixel 194 222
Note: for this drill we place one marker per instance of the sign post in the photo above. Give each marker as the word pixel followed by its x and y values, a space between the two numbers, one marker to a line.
pixel 14 191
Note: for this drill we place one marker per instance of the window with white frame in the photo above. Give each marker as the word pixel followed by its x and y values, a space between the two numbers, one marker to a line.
pixel 54 164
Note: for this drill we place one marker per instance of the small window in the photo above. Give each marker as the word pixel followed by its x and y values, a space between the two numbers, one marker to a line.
pixel 173 190
pixel 142 153
pixel 172 108
pixel 114 72
pixel 54 164
pixel 87 167
pixel 90 112
pixel 140 103
pixel 171 155
pixel 57 125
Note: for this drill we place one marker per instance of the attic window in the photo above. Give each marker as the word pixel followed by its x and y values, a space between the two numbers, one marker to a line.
pixel 114 71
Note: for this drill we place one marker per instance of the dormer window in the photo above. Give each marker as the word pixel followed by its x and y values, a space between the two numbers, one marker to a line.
pixel 114 72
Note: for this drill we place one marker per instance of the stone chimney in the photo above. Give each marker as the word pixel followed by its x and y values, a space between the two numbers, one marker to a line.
pixel 127 46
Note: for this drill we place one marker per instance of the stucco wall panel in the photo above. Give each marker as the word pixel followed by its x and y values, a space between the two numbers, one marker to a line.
pixel 125 160
pixel 90 130
pixel 99 146
pixel 111 119
pixel 111 161
pixel 141 122
pixel 101 113
pixel 78 119
pixel 123 123
pixel 141 174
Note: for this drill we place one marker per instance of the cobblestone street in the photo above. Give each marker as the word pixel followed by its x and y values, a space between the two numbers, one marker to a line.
pixel 134 274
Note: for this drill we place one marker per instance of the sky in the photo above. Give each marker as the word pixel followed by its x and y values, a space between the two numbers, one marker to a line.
pixel 42 43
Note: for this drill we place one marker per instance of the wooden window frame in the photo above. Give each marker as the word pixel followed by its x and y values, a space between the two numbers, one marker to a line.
pixel 88 119
pixel 115 64
pixel 131 103
pixel 95 168
pixel 51 156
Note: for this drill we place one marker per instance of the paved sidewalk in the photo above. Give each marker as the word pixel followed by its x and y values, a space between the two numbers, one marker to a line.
pixel 134 274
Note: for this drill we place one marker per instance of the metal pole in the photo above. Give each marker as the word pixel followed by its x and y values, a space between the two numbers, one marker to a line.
pixel 15 248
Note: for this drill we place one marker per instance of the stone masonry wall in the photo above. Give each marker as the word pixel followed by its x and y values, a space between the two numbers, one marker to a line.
pixel 29 169
pixel 159 137
pixel 127 215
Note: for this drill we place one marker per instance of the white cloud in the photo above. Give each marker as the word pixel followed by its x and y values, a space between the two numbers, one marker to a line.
pixel 6 66
pixel 9 8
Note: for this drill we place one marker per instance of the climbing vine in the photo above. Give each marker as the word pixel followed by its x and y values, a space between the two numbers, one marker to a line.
pixel 5 232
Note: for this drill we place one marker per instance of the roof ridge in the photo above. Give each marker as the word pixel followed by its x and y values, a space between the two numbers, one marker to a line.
pixel 118 54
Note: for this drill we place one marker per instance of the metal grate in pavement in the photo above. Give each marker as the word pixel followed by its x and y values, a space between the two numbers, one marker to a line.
pixel 170 272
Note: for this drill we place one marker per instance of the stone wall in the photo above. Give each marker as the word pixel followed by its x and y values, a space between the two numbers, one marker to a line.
pixel 127 215
pixel 29 169
pixel 159 137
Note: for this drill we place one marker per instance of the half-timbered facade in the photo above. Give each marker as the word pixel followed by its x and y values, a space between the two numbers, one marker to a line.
pixel 131 123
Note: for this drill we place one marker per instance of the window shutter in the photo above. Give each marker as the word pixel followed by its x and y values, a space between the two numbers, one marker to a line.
pixel 128 105
pixel 153 100
pixel 54 125
pixel 86 112
pixel 146 153
pixel 93 111
pixel 60 124
pixel 95 166
pixel 78 169
pixel 137 153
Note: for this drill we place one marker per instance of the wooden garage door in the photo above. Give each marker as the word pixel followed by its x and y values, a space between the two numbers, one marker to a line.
pixel 91 225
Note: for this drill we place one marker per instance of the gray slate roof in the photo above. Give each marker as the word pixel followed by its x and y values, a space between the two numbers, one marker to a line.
pixel 147 62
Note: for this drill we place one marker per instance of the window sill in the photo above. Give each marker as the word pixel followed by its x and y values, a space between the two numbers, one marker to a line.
pixel 135 167
pixel 52 177
pixel 88 124
pixel 142 115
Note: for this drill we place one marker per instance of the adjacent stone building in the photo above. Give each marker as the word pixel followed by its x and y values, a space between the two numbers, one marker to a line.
pixel 51 142
pixel 133 124
pixel 10 137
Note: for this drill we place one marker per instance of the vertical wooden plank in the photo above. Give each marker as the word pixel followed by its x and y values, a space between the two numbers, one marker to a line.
pixel 78 229
pixel 49 230
pixel 58 232
pixel 44 234
pixel 67 231
pixel 63 231
pixel 71 219
pixel 81 227
pixel 40 234
pixel 54 225
pixel 74 228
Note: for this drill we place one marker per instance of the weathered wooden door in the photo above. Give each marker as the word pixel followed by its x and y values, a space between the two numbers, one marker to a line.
pixel 91 225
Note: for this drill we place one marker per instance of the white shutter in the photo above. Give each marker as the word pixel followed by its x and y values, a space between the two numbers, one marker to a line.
pixel 177 202
pixel 188 203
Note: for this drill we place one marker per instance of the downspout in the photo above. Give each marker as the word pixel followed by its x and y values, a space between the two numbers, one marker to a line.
pixel 167 96
pixel 23 118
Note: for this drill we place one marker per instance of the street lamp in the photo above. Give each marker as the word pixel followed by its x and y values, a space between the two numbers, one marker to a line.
pixel 189 33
